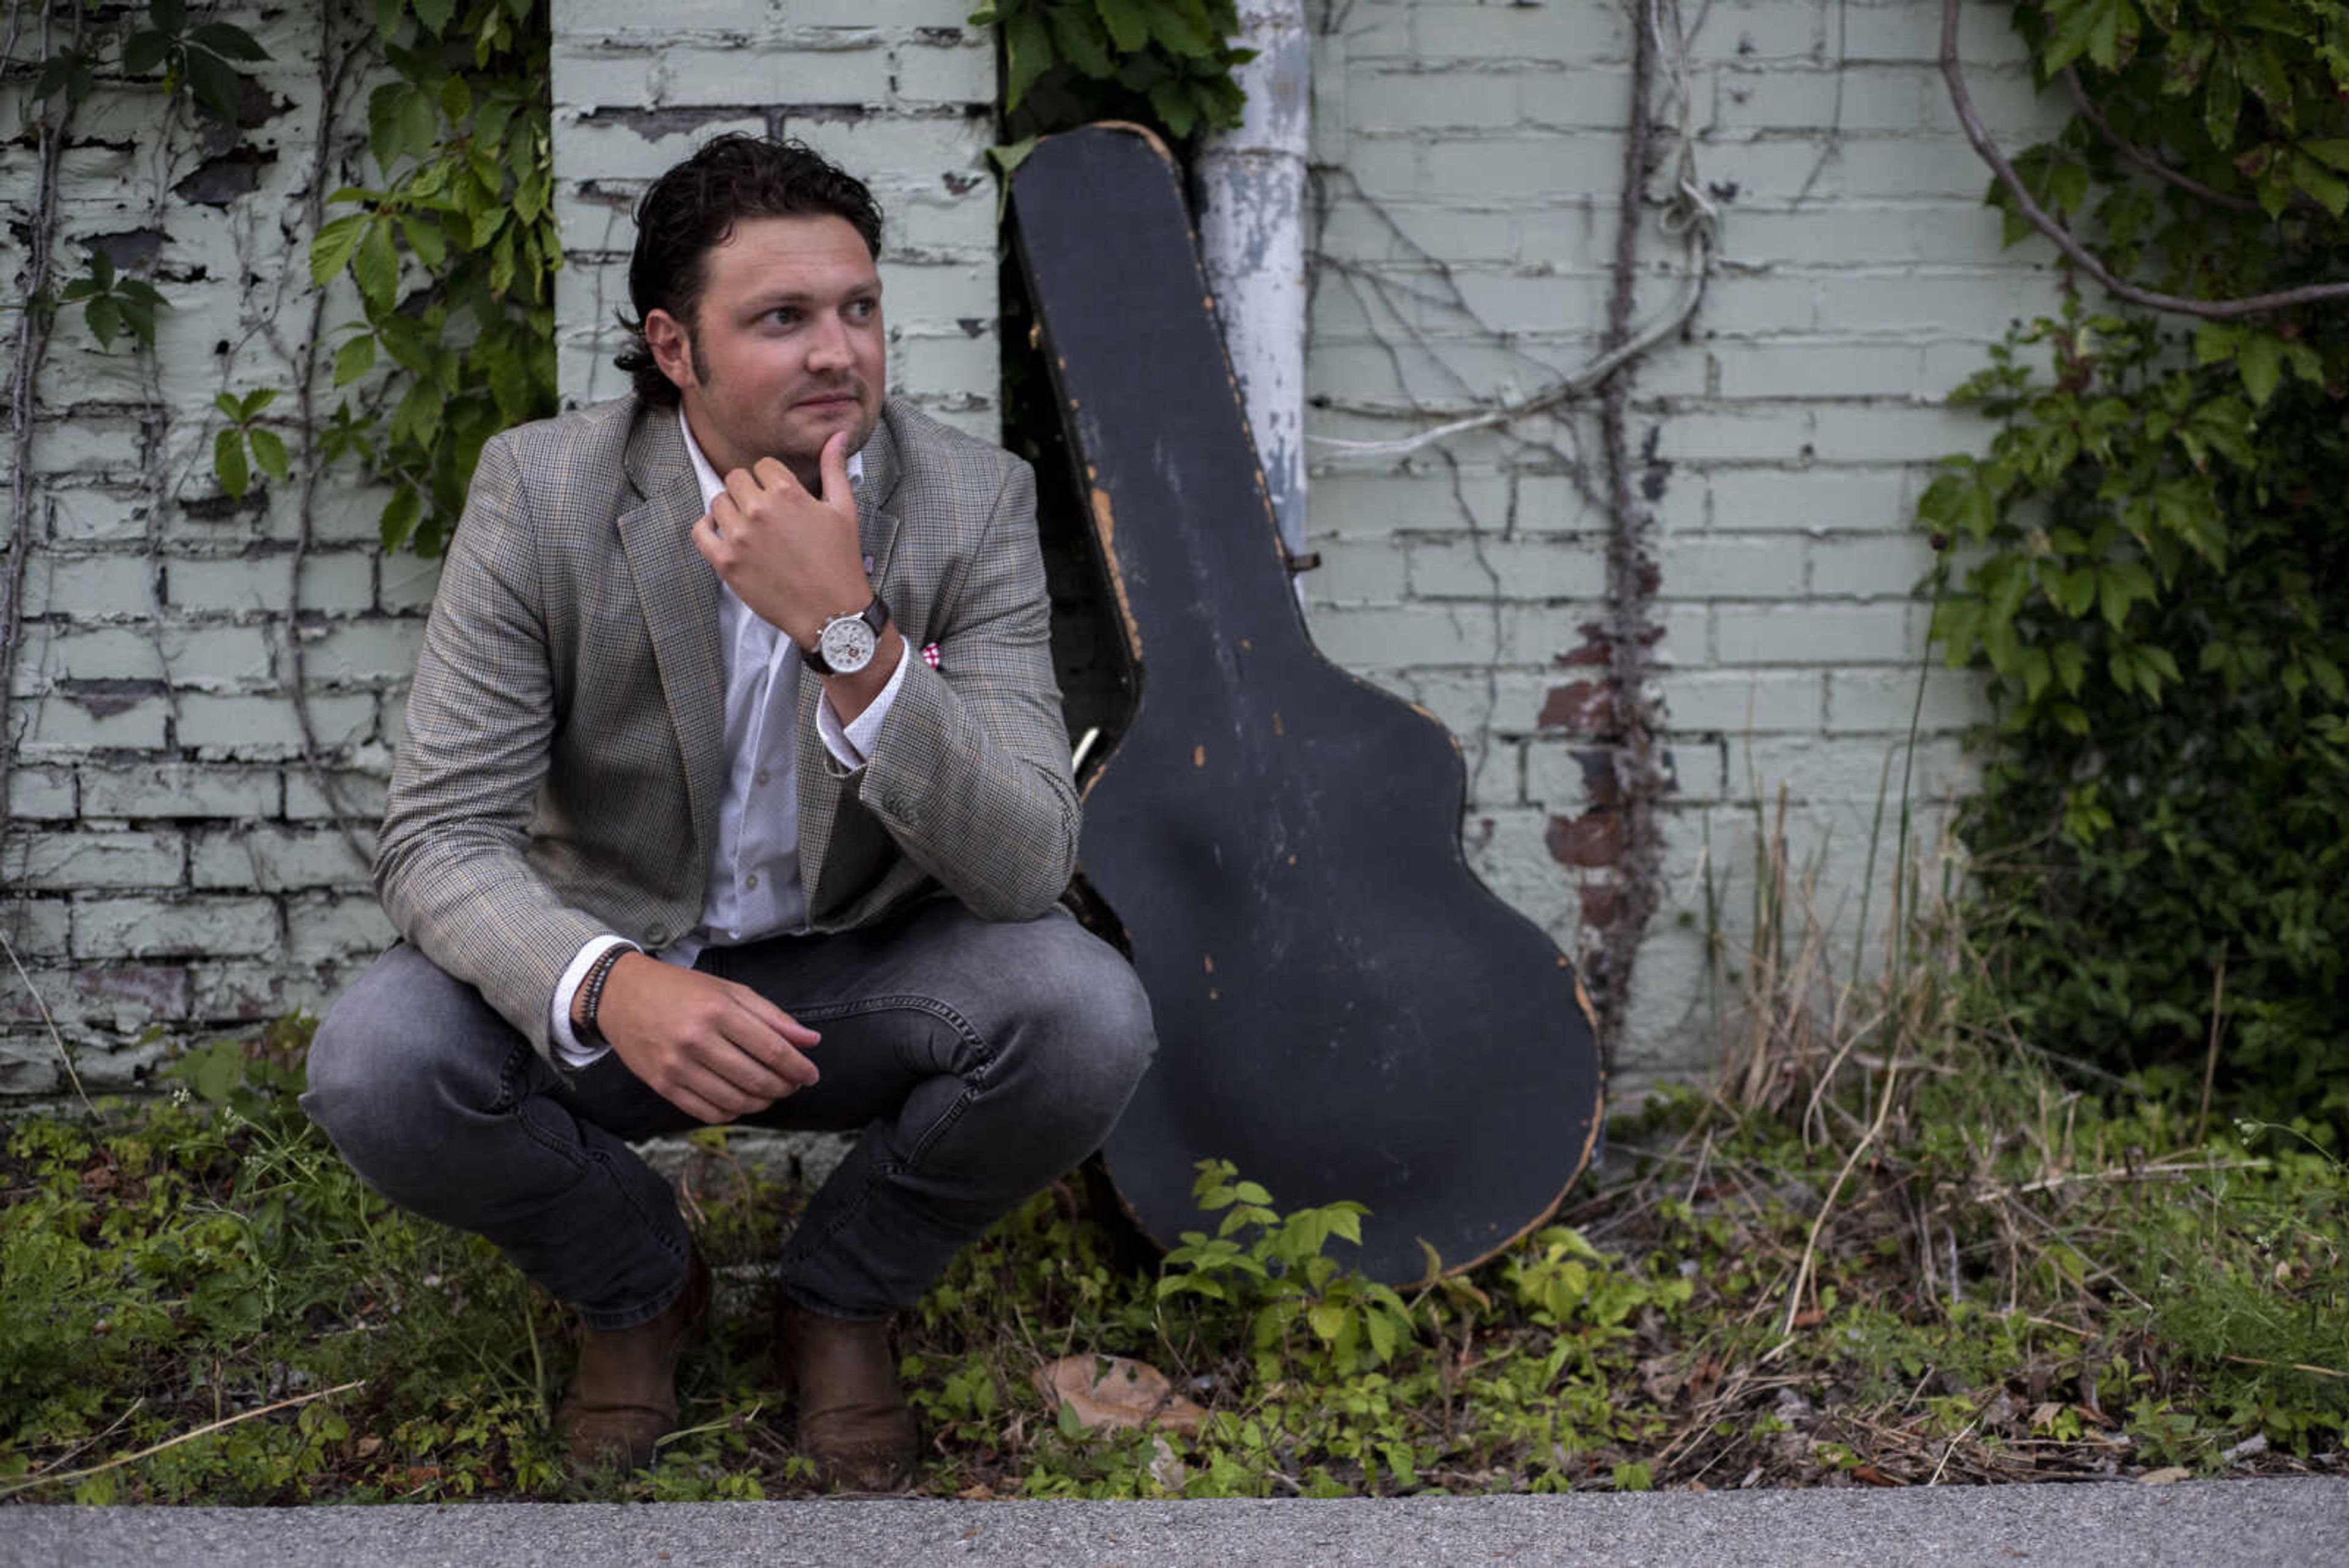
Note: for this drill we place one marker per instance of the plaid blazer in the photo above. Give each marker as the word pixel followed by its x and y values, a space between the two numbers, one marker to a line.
pixel 565 756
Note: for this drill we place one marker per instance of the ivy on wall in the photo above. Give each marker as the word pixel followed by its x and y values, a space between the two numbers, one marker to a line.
pixel 1066 62
pixel 453 250
pixel 2150 562
pixel 440 216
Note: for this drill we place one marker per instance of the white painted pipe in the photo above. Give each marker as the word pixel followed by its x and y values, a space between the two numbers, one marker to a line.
pixel 1252 240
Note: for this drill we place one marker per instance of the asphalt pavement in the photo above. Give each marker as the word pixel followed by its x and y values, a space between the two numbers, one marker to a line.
pixel 2301 1523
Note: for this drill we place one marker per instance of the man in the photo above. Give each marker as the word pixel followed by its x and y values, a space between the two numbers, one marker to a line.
pixel 685 830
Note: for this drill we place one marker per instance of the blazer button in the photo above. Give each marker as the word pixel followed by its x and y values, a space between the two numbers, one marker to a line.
pixel 657 936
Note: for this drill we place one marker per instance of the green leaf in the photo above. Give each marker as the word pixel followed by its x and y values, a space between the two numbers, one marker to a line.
pixel 1128 22
pixel 434 15
pixel 137 315
pixel 2259 359
pixel 1082 41
pixel 253 402
pixel 228 41
pixel 383 122
pixel 1180 27
pixel 1026 56
pixel 105 317
pixel 427 239
pixel 269 452
pixel 215 84
pixel 400 515
pixel 2328 189
pixel 170 16
pixel 2222 104
pixel 229 405
pixel 228 462
pixel 1175 106
pixel 353 359
pixel 2071 665
pixel 419 126
pixel 2269 80
pixel 331 250
pixel 142 52
pixel 1326 1319
pixel 377 266
pixel 1957 626
pixel 2332 151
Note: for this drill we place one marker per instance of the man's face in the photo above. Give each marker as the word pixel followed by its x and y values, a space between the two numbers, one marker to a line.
pixel 785 347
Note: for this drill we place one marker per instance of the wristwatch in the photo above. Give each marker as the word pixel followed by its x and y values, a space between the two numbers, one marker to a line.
pixel 847 642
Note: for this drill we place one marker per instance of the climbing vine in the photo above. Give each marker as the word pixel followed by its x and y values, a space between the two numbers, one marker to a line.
pixel 440 218
pixel 453 250
pixel 2148 563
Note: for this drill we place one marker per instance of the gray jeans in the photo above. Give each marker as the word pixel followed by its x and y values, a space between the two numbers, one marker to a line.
pixel 981 1059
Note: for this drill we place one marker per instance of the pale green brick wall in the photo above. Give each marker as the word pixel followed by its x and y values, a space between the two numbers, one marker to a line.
pixel 175 864
pixel 900 92
pixel 1788 433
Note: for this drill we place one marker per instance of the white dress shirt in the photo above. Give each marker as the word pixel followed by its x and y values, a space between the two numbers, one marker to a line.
pixel 754 869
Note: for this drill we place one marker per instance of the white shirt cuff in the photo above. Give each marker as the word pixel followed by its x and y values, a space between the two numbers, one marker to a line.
pixel 566 990
pixel 851 743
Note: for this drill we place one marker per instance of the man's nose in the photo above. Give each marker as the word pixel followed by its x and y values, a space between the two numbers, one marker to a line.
pixel 828 345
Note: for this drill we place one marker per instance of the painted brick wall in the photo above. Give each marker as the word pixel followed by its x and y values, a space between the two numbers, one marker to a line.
pixel 177 869
pixel 900 92
pixel 1471 156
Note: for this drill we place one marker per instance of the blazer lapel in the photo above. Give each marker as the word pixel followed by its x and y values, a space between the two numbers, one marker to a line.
pixel 877 528
pixel 678 591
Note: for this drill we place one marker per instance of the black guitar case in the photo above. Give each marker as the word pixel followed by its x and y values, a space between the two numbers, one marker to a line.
pixel 1343 1010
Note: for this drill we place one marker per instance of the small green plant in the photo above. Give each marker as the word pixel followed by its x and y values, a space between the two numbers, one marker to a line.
pixel 242 432
pixel 113 305
pixel 1275 1270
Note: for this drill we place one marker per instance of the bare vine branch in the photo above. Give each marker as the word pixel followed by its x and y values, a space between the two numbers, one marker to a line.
pixel 2145 163
pixel 32 346
pixel 333 75
pixel 2080 256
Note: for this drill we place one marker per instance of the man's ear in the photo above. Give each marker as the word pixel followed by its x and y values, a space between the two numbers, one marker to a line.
pixel 671 345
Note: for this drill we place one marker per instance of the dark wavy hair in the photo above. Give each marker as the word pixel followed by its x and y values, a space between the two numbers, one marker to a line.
pixel 693 208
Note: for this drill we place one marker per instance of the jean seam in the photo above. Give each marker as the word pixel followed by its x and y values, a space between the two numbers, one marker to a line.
pixel 974 1085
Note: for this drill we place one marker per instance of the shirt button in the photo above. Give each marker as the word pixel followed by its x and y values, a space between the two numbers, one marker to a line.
pixel 752 881
pixel 762 777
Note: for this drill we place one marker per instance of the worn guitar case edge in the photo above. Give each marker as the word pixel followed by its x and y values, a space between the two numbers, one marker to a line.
pixel 1100 513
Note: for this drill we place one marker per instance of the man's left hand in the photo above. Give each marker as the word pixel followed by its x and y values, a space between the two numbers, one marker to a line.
pixel 792 557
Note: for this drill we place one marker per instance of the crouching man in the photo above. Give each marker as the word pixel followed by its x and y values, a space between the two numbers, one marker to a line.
pixel 735 789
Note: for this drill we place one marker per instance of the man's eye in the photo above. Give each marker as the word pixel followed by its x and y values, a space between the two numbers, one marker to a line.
pixel 784 314
pixel 863 309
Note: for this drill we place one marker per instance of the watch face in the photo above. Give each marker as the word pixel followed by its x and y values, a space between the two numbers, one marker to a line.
pixel 847 644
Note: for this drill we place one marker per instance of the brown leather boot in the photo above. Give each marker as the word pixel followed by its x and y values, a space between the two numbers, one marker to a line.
pixel 854 1424
pixel 623 1399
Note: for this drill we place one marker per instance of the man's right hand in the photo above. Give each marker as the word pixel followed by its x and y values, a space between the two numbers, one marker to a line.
pixel 715 1050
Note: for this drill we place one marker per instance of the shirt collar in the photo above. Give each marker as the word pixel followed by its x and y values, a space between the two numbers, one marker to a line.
pixel 709 477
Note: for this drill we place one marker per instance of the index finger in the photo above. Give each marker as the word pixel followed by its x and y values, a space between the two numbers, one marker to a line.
pixel 754 1032
pixel 776 1019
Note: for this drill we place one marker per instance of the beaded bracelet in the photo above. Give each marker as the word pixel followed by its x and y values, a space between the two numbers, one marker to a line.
pixel 590 992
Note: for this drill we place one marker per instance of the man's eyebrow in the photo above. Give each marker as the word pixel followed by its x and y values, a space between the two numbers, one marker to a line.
pixel 785 294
